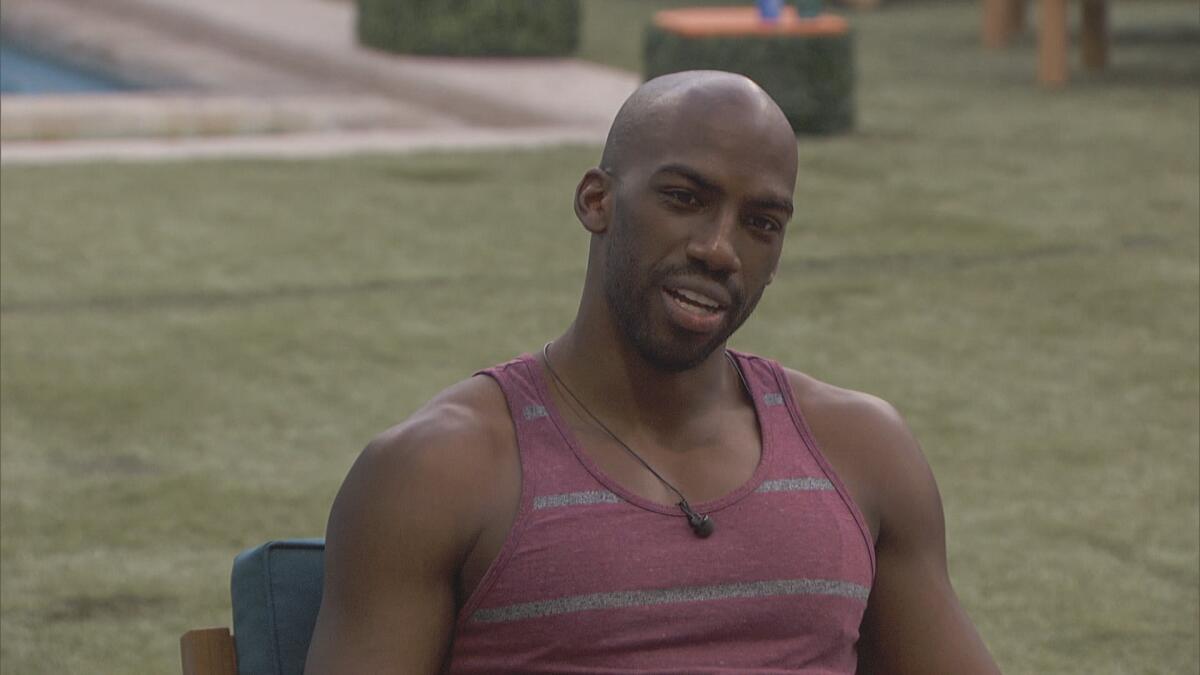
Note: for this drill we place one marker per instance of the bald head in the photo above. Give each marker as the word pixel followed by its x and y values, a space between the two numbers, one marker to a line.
pixel 693 193
pixel 688 98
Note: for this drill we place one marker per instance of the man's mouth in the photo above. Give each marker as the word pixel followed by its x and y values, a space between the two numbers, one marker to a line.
pixel 694 311
pixel 693 299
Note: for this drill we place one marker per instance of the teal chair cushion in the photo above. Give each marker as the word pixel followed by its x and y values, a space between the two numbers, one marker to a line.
pixel 276 594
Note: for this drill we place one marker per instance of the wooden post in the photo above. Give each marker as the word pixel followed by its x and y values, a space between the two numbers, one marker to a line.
pixel 1016 16
pixel 1001 20
pixel 1052 43
pixel 208 651
pixel 1095 33
pixel 995 23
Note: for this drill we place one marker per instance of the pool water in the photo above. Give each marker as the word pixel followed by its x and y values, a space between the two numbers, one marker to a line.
pixel 23 72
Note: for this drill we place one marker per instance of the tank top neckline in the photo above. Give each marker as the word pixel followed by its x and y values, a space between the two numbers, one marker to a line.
pixel 765 459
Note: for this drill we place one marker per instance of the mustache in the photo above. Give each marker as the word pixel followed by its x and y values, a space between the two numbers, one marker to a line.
pixel 695 268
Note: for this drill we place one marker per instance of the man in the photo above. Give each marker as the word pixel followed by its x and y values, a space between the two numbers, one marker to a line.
pixel 634 497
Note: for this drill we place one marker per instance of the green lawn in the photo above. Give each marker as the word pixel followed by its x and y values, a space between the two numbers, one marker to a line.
pixel 193 353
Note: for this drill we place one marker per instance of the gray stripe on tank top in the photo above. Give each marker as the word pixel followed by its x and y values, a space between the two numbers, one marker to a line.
pixel 575 499
pixel 773 398
pixel 795 485
pixel 621 599
pixel 533 412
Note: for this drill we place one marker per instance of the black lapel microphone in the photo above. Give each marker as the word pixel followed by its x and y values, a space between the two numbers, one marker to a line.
pixel 701 524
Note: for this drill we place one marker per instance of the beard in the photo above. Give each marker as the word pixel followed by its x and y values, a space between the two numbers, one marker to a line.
pixel 632 292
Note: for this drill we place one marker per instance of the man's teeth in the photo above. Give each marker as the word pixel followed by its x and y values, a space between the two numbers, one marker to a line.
pixel 696 299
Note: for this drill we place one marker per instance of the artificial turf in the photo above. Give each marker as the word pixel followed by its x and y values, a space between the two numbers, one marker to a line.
pixel 191 354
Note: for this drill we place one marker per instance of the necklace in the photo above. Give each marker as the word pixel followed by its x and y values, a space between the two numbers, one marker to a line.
pixel 702 525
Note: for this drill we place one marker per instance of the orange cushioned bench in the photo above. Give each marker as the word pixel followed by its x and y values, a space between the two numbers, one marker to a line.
pixel 805 63
pixel 734 21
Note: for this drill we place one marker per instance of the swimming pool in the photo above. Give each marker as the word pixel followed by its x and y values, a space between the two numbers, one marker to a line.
pixel 24 72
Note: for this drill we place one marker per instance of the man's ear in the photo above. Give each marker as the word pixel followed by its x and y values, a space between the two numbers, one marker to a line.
pixel 593 200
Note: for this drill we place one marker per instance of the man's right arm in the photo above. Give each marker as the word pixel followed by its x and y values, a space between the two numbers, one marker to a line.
pixel 406 516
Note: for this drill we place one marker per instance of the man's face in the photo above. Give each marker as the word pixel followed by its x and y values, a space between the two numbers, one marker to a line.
pixel 695 237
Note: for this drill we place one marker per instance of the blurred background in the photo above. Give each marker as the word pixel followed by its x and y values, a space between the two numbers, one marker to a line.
pixel 236 243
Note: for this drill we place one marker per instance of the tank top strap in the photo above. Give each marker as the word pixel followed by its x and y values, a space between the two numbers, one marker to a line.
pixel 800 460
pixel 774 419
pixel 549 467
pixel 758 374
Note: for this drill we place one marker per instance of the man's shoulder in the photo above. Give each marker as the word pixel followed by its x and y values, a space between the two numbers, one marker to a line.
pixel 866 440
pixel 411 510
pixel 824 401
pixel 464 428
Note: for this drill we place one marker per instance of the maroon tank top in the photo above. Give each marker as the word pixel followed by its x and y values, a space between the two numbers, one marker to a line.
pixel 594 579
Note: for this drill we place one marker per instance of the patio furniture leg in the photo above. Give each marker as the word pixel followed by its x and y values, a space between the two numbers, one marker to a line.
pixel 996 25
pixel 1002 19
pixel 1016 16
pixel 1095 33
pixel 1052 43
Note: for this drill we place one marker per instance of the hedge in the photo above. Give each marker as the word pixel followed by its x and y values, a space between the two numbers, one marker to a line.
pixel 811 78
pixel 470 27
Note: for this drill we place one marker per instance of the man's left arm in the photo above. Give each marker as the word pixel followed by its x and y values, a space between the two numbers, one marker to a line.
pixel 914 623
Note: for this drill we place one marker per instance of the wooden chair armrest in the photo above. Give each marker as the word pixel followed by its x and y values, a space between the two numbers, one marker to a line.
pixel 208 651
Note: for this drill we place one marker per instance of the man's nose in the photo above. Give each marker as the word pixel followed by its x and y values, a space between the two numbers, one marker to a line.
pixel 713 246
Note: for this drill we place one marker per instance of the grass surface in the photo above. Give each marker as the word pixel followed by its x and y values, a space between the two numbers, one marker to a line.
pixel 192 354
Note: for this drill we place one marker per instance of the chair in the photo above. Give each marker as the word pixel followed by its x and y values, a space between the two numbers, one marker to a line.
pixel 276 589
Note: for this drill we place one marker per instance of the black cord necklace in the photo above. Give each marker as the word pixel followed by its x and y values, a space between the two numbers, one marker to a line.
pixel 702 525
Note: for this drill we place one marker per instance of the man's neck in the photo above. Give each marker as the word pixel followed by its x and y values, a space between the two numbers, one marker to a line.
pixel 620 387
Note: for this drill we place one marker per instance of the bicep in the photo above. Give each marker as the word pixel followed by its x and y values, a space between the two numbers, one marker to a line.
pixel 915 624
pixel 914 621
pixel 388 602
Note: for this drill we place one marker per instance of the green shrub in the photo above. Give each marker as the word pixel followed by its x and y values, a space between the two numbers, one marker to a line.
pixel 470 27
pixel 811 78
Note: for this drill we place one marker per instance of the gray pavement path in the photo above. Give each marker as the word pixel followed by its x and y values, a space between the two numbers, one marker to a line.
pixel 282 77
pixel 297 145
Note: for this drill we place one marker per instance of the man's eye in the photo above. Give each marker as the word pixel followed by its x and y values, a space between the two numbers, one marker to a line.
pixel 684 197
pixel 765 224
